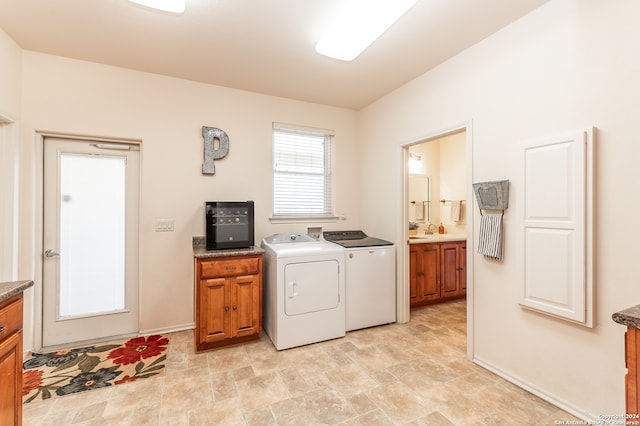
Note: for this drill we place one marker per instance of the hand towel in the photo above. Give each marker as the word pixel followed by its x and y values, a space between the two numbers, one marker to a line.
pixel 455 210
pixel 419 210
pixel 490 238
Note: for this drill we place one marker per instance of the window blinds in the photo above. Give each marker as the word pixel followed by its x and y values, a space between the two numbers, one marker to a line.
pixel 302 182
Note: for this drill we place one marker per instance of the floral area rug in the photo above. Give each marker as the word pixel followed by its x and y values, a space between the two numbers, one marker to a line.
pixel 48 375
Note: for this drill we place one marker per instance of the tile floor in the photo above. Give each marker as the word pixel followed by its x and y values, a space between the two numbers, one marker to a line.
pixel 398 374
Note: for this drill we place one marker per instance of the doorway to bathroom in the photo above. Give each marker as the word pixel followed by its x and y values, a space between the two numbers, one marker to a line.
pixel 437 220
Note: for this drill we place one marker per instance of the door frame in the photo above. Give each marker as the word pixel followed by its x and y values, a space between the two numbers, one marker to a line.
pixel 402 298
pixel 9 190
pixel 38 202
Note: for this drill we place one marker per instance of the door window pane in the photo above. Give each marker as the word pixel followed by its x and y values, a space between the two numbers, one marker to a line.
pixel 92 234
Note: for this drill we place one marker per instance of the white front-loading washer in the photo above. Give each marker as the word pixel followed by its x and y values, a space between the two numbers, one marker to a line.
pixel 303 294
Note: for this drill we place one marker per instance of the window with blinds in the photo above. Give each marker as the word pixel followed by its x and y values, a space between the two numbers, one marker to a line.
pixel 302 181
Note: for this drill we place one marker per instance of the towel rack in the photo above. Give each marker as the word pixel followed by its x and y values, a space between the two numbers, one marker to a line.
pixel 492 195
pixel 448 201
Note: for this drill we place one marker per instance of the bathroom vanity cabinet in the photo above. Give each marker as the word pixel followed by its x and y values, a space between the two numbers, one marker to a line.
pixel 437 272
pixel 228 296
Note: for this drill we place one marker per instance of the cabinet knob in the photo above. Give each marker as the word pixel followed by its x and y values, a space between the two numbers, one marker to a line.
pixel 226 309
pixel 235 308
pixel 1 329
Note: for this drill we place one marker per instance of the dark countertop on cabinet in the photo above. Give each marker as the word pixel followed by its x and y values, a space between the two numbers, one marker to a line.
pixel 629 317
pixel 202 253
pixel 11 288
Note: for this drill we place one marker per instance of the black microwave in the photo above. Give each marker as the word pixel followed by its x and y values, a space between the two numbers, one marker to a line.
pixel 228 224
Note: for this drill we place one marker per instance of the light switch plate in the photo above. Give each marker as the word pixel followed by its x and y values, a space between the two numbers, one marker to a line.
pixel 165 225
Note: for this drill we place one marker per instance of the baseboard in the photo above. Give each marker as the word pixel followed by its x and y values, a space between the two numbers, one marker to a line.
pixel 173 329
pixel 541 393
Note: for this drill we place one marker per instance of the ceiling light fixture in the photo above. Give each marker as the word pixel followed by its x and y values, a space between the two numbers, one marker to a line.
pixel 415 163
pixel 359 24
pixel 172 6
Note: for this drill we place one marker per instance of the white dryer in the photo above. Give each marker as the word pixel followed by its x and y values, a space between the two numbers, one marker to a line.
pixel 303 291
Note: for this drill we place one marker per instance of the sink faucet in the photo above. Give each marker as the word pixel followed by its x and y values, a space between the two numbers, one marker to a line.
pixel 428 230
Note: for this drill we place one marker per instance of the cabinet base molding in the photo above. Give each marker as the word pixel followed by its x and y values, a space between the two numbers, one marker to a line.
pixel 435 302
pixel 207 346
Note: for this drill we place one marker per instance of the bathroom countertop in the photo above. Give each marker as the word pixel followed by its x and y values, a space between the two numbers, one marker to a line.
pixel 629 317
pixel 435 238
pixel 11 288
pixel 202 253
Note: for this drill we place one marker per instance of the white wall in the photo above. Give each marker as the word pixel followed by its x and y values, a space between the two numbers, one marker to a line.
pixel 571 64
pixel 10 78
pixel 74 97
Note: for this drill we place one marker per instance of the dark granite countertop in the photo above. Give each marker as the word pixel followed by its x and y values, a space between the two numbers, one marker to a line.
pixel 629 317
pixel 200 250
pixel 11 288
pixel 202 253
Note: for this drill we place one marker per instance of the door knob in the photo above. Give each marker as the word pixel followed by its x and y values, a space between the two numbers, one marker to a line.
pixel 51 253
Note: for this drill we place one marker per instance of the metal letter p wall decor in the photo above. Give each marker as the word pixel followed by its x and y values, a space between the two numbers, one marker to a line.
pixel 213 150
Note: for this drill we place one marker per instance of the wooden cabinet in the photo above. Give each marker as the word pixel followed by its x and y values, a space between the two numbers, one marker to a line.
pixel 228 300
pixel 11 361
pixel 437 272
pixel 453 277
pixel 424 263
pixel 632 379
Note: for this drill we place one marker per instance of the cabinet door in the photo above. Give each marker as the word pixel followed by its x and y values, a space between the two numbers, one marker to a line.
pixel 632 361
pixel 415 275
pixel 11 380
pixel 214 310
pixel 462 266
pixel 245 306
pixel 450 273
pixel 430 257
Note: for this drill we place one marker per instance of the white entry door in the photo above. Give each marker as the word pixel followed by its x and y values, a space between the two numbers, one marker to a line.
pixel 90 241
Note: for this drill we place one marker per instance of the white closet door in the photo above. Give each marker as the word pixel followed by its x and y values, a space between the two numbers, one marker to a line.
pixel 554 226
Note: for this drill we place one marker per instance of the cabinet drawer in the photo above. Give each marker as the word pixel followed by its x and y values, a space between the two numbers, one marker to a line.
pixel 10 318
pixel 227 268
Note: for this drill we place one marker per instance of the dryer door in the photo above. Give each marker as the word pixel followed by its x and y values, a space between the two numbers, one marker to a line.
pixel 311 287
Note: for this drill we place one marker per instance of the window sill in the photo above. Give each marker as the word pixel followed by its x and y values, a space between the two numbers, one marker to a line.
pixel 303 219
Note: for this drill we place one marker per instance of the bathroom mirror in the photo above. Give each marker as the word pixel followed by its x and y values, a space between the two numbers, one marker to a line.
pixel 419 198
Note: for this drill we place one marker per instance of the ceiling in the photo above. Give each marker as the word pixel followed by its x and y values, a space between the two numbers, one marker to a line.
pixel 264 46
